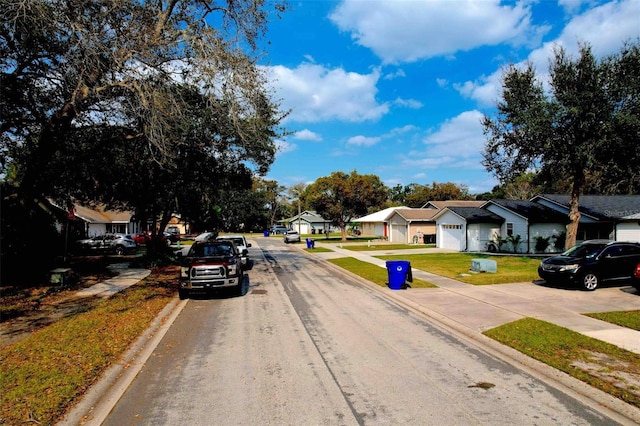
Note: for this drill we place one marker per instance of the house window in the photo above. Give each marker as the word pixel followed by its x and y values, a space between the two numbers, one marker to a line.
pixel 510 228
pixel 447 226
pixel 116 228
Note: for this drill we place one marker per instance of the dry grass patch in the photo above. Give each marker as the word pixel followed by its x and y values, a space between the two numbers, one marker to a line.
pixel 43 374
pixel 600 364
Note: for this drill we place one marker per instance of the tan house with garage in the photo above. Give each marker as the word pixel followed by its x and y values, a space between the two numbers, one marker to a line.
pixel 413 226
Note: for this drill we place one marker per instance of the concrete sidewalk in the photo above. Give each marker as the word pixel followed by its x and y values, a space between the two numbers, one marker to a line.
pixel 479 308
pixel 19 328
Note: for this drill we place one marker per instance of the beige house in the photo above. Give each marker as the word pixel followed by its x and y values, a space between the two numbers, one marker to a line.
pixel 413 226
pixel 98 220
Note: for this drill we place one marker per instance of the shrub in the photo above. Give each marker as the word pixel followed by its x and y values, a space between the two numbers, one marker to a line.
pixel 542 243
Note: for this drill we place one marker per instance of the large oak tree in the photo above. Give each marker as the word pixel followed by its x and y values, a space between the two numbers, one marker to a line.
pixel 584 126
pixel 341 197
pixel 144 105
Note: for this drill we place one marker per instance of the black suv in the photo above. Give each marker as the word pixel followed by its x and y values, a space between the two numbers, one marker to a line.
pixel 592 262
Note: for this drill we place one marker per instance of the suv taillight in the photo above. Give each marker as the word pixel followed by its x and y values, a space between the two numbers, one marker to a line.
pixel 636 273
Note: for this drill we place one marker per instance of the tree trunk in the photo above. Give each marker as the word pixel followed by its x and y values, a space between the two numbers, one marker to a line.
pixel 574 212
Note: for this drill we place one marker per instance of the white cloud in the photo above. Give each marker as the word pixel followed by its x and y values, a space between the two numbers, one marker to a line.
pixel 363 141
pixel 572 6
pixel 314 94
pixel 392 76
pixel 456 144
pixel 407 103
pixel 604 27
pixel 307 135
pixel 409 30
pixel 401 130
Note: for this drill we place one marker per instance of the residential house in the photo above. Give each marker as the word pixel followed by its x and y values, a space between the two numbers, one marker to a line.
pixel 452 203
pixel 466 228
pixel 528 221
pixel 99 220
pixel 376 224
pixel 176 221
pixel 612 217
pixel 412 226
pixel 308 222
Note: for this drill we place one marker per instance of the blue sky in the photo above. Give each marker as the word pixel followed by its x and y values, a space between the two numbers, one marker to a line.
pixel 397 88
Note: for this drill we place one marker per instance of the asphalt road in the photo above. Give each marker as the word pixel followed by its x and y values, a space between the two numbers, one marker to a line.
pixel 310 346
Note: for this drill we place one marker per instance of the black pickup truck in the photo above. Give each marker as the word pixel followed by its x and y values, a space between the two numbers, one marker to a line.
pixel 211 265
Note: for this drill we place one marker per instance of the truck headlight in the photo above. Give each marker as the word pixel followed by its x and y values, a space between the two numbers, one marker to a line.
pixel 232 268
pixel 184 272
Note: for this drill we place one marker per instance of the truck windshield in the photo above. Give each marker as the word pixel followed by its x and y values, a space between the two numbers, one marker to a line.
pixel 210 250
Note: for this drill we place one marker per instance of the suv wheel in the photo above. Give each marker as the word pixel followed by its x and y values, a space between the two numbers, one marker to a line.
pixel 183 294
pixel 590 281
pixel 119 250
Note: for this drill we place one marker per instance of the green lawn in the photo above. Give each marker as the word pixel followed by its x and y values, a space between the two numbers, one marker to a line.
pixel 372 272
pixel 629 319
pixel 384 246
pixel 510 269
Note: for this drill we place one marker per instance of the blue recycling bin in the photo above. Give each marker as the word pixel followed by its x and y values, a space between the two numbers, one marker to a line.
pixel 399 272
pixel 308 243
pixel 266 233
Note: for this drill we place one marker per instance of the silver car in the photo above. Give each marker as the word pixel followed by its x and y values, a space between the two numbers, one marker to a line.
pixel 112 243
pixel 291 237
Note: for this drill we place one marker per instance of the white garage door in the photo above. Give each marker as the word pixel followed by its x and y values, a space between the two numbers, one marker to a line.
pixel 398 234
pixel 451 236
pixel 628 232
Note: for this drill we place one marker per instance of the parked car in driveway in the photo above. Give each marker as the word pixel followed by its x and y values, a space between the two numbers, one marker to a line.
pixel 279 229
pixel 243 247
pixel 107 243
pixel 173 234
pixel 291 237
pixel 591 263
pixel 144 237
pixel 210 265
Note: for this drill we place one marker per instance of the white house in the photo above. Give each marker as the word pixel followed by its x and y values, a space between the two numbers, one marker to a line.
pixel 628 228
pixel 466 228
pixel 98 220
pixel 308 222
pixel 376 224
pixel 530 221
pixel 612 217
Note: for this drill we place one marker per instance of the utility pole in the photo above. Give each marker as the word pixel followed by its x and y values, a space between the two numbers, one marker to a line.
pixel 299 213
